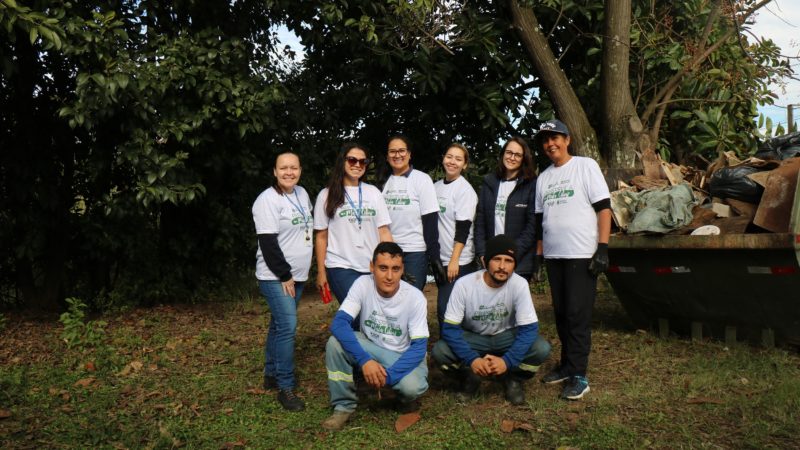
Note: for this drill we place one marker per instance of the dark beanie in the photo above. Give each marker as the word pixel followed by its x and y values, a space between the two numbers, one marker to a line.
pixel 500 245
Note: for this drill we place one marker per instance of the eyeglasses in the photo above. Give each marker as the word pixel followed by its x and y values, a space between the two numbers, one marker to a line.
pixel 353 161
pixel 398 152
pixel 512 155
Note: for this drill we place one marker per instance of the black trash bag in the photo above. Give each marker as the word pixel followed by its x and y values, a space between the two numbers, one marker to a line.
pixel 732 182
pixel 780 147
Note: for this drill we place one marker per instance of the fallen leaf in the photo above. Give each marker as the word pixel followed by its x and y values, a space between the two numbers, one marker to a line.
pixel 89 366
pixel 228 411
pixel 84 382
pixel 240 443
pixel 507 426
pixel 136 365
pixel 702 400
pixel 256 391
pixel 5 414
pixel 405 421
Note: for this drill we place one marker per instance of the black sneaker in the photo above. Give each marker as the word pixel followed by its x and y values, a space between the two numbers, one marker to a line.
pixel 514 392
pixel 472 383
pixel 555 376
pixel 577 387
pixel 270 382
pixel 289 401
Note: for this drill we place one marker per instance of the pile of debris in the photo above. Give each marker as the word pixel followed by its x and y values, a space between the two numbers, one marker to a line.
pixel 728 196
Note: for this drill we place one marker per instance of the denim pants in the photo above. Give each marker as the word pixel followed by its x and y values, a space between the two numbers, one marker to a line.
pixel 279 346
pixel 415 264
pixel 443 296
pixel 340 280
pixel 340 367
pixel 496 345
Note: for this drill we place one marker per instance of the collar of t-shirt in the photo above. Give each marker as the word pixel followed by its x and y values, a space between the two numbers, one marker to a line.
pixel 408 172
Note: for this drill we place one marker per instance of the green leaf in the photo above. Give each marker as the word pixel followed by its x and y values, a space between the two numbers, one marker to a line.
pixel 34 34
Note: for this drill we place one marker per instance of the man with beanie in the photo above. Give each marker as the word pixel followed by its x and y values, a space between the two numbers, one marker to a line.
pixel 573 214
pixel 490 327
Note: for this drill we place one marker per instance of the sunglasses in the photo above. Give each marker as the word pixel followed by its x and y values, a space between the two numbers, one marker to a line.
pixel 353 161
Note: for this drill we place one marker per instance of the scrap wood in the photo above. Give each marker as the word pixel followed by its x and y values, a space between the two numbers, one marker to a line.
pixel 742 208
pixel 775 208
pixel 644 182
pixel 731 225
pixel 621 207
pixel 721 209
pixel 671 172
pixel 651 165
pixel 760 177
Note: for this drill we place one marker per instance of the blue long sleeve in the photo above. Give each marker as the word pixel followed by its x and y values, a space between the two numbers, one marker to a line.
pixel 526 334
pixel 407 362
pixel 453 335
pixel 342 330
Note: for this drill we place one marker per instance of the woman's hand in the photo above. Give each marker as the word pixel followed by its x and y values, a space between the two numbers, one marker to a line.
pixel 322 280
pixel 288 287
pixel 452 270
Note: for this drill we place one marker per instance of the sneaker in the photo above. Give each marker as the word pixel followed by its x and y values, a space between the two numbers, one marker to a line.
pixel 514 392
pixel 289 401
pixel 576 388
pixel 336 421
pixel 408 407
pixel 472 383
pixel 270 382
pixel 554 376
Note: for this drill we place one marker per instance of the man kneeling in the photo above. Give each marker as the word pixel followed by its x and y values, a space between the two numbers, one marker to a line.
pixel 490 326
pixel 390 348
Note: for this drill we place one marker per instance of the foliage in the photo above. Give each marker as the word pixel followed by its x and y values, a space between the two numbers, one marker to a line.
pixel 79 332
pixel 134 138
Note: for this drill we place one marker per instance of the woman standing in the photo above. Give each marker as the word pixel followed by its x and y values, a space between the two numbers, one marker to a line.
pixel 457 202
pixel 411 200
pixel 505 204
pixel 283 220
pixel 350 219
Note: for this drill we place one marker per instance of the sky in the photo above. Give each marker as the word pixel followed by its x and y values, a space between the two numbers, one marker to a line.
pixel 780 21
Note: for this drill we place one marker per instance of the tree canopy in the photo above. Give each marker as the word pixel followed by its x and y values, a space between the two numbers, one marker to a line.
pixel 136 134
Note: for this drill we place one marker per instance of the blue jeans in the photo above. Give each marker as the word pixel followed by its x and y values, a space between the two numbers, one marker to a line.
pixel 340 281
pixel 279 346
pixel 443 296
pixel 496 345
pixel 340 367
pixel 416 265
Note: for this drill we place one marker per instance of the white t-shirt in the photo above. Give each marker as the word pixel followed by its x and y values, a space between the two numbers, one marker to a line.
pixel 503 191
pixel 350 246
pixel 408 198
pixel 457 201
pixel 274 213
pixel 565 195
pixel 489 311
pixel 392 322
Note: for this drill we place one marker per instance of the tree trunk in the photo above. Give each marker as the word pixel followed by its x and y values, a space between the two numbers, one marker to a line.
pixel 568 107
pixel 623 133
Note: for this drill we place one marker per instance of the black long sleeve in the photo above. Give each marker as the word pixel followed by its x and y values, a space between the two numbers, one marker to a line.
pixel 430 232
pixel 273 256
pixel 462 231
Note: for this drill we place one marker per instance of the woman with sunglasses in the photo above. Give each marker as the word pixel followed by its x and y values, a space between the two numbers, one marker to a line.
pixel 457 202
pixel 505 204
pixel 282 216
pixel 411 200
pixel 350 218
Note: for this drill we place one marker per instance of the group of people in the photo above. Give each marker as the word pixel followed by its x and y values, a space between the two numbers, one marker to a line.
pixel 365 239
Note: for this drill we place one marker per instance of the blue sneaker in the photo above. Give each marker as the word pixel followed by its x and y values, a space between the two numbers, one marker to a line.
pixel 576 388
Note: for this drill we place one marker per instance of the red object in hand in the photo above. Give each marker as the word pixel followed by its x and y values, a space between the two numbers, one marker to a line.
pixel 326 295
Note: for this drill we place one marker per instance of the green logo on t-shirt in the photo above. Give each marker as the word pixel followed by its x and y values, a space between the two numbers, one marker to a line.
pixel 397 201
pixel 558 193
pixel 494 313
pixel 382 327
pixel 365 212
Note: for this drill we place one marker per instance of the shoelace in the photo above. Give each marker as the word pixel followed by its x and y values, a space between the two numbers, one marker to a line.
pixel 289 395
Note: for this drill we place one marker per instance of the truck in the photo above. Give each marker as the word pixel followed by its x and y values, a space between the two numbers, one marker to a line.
pixel 736 287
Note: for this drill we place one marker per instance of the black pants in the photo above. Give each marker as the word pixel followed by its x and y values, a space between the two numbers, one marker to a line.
pixel 573 289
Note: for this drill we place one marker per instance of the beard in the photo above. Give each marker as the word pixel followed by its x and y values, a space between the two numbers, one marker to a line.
pixel 499 282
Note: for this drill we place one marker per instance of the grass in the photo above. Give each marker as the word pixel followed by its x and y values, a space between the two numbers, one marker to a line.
pixel 190 377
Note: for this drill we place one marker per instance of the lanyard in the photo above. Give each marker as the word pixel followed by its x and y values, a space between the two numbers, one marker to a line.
pixel 357 212
pixel 299 208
